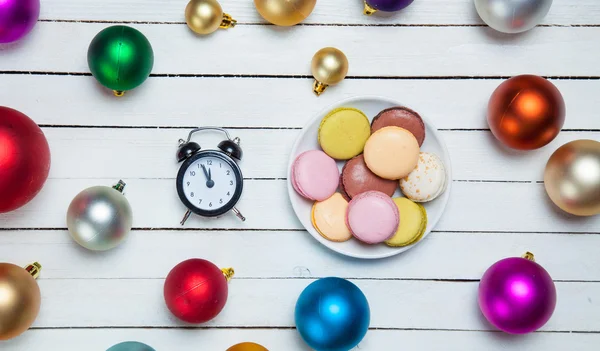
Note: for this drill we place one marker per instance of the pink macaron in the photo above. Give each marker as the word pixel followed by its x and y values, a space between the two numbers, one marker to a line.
pixel 372 217
pixel 315 175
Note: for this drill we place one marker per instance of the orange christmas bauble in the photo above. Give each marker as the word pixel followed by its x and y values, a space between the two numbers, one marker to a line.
pixel 247 346
pixel 526 112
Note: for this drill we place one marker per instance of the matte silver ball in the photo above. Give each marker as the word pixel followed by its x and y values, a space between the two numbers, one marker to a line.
pixel 512 16
pixel 99 218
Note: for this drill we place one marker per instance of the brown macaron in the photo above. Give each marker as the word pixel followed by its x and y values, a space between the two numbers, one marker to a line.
pixel 357 178
pixel 400 117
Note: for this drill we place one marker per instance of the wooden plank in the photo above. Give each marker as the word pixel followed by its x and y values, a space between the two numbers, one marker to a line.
pixel 259 102
pixel 270 303
pixel 275 339
pixel 274 254
pixel 150 153
pixel 563 12
pixel 473 206
pixel 433 51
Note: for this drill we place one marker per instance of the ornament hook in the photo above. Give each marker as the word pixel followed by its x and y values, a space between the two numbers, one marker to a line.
pixel 228 21
pixel 228 273
pixel 369 10
pixel 529 256
pixel 120 186
pixel 34 269
pixel 239 214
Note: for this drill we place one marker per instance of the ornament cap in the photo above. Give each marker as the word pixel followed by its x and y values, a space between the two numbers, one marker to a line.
pixel 120 186
pixel 228 273
pixel 319 88
pixel 369 10
pixel 34 269
pixel 118 93
pixel 228 21
pixel 529 256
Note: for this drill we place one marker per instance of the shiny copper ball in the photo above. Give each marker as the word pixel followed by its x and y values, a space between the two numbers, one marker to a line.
pixel 526 112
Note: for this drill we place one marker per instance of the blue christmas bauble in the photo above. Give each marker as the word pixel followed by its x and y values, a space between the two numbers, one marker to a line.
pixel 332 314
pixel 131 346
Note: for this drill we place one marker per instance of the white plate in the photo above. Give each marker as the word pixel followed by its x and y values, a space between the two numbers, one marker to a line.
pixel 307 140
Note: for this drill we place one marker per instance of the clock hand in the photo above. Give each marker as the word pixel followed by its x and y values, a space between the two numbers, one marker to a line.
pixel 206 174
pixel 209 175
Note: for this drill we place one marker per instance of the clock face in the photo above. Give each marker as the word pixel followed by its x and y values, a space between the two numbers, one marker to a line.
pixel 210 183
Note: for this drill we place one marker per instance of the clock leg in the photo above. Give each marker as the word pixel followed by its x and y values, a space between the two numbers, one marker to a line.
pixel 185 217
pixel 239 214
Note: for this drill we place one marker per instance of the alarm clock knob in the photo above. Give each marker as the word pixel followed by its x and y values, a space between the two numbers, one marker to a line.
pixel 186 150
pixel 232 148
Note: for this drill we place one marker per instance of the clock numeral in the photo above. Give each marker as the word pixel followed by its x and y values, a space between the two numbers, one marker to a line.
pixel 209 162
pixel 228 172
pixel 228 194
pixel 220 201
pixel 192 194
pixel 231 182
pixel 210 204
pixel 200 201
pixel 188 183
pixel 220 165
pixel 193 173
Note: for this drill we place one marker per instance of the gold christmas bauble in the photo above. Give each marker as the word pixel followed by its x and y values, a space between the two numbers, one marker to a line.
pixel 329 67
pixel 247 346
pixel 285 12
pixel 572 177
pixel 19 299
pixel 206 16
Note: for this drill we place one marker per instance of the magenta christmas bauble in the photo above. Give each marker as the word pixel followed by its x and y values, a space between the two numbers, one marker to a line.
pixel 517 295
pixel 17 18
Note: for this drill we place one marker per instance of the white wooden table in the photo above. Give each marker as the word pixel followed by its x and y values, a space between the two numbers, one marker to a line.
pixel 436 57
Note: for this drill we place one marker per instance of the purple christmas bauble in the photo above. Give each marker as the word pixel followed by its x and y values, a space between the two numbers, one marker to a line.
pixel 517 295
pixel 389 5
pixel 17 18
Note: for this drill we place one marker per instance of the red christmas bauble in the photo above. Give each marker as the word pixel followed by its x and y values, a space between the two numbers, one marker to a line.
pixel 196 291
pixel 24 159
pixel 526 112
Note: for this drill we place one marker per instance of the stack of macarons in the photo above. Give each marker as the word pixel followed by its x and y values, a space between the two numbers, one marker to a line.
pixel 379 156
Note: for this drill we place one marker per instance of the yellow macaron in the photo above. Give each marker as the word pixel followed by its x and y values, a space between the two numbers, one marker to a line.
pixel 344 132
pixel 329 218
pixel 413 222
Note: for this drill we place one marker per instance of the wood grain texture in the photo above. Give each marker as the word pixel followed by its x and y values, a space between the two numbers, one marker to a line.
pixel 473 206
pixel 371 51
pixel 270 303
pixel 126 153
pixel 274 254
pixel 289 340
pixel 563 12
pixel 264 102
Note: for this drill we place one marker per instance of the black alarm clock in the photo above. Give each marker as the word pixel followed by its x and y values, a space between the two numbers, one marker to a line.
pixel 209 182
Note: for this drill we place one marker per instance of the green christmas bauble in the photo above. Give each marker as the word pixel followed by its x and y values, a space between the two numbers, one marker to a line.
pixel 120 58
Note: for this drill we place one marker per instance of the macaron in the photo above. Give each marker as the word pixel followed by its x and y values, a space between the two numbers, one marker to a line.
pixel 392 152
pixel 315 175
pixel 427 181
pixel 402 117
pixel 358 178
pixel 413 222
pixel 372 217
pixel 329 218
pixel 344 132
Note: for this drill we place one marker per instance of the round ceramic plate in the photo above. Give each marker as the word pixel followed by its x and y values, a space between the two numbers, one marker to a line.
pixel 307 140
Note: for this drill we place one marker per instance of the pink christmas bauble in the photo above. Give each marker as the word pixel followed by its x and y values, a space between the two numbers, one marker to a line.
pixel 517 295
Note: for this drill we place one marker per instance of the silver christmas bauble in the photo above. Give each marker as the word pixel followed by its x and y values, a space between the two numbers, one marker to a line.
pixel 99 218
pixel 512 16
